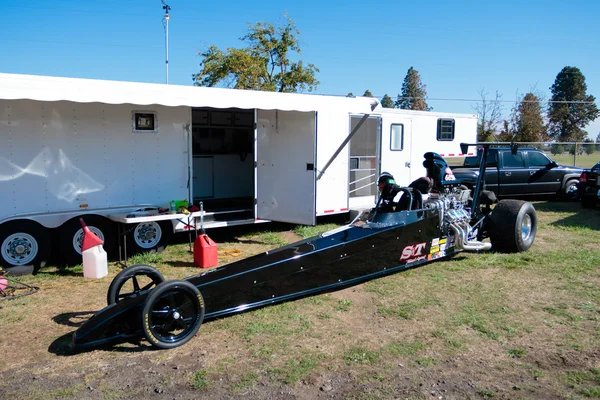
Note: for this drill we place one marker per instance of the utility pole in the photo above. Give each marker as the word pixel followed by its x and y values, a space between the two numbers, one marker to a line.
pixel 167 8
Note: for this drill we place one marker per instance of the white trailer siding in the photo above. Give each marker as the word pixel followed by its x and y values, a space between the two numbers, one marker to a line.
pixel 64 156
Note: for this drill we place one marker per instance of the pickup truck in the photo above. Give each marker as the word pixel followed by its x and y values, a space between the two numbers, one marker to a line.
pixel 527 172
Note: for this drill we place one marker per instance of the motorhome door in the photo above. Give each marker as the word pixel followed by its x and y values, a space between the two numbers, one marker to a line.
pixel 285 166
pixel 396 144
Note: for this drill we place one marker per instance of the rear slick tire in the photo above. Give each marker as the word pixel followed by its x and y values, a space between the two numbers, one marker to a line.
pixel 512 226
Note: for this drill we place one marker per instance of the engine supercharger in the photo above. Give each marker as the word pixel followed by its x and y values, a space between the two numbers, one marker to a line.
pixel 95 262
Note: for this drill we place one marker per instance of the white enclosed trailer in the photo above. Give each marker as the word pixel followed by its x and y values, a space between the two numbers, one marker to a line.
pixel 116 152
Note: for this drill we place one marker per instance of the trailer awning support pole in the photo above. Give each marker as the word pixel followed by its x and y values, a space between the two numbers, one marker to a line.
pixel 344 143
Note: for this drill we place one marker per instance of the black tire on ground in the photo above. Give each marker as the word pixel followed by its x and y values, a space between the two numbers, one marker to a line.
pixel 71 236
pixel 141 277
pixel 571 190
pixel 148 237
pixel 24 247
pixel 588 202
pixel 172 314
pixel 512 226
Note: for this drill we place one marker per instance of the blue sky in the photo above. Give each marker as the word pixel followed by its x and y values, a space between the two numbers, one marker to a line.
pixel 458 47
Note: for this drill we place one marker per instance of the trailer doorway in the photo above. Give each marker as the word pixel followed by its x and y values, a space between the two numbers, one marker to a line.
pixel 364 162
pixel 223 162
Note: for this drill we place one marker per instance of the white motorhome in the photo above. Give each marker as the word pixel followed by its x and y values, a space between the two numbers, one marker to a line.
pixel 115 152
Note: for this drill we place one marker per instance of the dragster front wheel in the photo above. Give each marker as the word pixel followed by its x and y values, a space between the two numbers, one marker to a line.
pixel 133 281
pixel 172 314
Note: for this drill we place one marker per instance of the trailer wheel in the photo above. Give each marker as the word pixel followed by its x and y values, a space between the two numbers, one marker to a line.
pixel 172 314
pixel 71 237
pixel 24 247
pixel 142 278
pixel 512 226
pixel 149 237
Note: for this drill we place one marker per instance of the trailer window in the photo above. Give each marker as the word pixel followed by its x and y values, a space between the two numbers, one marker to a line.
pixel 445 130
pixel 145 121
pixel 397 137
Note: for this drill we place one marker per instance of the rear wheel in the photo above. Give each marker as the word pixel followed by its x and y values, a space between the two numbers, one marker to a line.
pixel 24 247
pixel 571 190
pixel 149 237
pixel 71 237
pixel 132 282
pixel 512 226
pixel 172 314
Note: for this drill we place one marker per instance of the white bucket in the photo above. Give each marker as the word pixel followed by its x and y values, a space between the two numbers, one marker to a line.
pixel 95 263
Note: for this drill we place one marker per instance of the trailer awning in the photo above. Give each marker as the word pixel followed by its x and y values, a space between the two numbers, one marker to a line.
pixel 46 88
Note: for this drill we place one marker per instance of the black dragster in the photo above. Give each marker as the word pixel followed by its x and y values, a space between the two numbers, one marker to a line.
pixel 392 237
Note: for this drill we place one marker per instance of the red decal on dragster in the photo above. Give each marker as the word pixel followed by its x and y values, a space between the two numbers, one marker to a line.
pixel 413 250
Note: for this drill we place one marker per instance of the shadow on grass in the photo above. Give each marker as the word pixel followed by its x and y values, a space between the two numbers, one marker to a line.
pixel 74 319
pixel 580 217
pixel 179 264
pixel 62 346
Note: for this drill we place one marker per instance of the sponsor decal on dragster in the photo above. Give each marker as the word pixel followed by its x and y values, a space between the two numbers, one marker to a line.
pixel 414 252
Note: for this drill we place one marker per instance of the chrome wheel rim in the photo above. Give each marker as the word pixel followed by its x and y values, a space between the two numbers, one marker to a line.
pixel 78 237
pixel 526 227
pixel 147 234
pixel 19 248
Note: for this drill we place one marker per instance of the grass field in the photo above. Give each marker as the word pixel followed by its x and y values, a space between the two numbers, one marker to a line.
pixel 477 326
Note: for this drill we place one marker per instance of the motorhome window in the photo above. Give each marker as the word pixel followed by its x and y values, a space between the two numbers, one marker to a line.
pixel 397 137
pixel 445 129
pixel 144 122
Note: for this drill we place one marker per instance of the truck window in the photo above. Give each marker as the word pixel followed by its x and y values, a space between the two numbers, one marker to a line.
pixel 445 129
pixel 473 161
pixel 512 160
pixel 537 159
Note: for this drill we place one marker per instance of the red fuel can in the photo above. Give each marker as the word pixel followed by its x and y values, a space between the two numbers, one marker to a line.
pixel 205 252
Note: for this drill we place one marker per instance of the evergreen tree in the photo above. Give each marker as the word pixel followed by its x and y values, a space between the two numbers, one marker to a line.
pixel 368 93
pixel 350 94
pixel 387 102
pixel 414 93
pixel 566 120
pixel 530 125
pixel 556 149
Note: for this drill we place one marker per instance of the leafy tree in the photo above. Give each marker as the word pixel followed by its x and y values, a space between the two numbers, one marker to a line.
pixel 589 146
pixel 598 142
pixel 566 120
pixel 556 149
pixel 387 102
pixel 530 125
pixel 264 64
pixel 414 93
pixel 572 149
pixel 507 133
pixel 368 93
pixel 489 112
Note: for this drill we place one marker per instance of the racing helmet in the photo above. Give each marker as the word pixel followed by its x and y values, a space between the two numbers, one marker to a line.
pixel 385 183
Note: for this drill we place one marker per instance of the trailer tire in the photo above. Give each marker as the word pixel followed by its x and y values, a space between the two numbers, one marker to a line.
pixel 149 237
pixel 512 226
pixel 71 236
pixel 114 294
pixel 24 247
pixel 172 314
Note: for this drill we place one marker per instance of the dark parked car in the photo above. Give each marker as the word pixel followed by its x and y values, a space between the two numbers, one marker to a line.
pixel 589 186
pixel 526 172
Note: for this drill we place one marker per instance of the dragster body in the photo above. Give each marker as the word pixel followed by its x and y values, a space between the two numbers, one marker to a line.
pixel 343 257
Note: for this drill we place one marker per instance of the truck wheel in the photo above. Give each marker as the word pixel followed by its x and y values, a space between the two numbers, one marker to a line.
pixel 24 247
pixel 512 226
pixel 172 314
pixel 149 237
pixel 143 278
pixel 71 237
pixel 571 190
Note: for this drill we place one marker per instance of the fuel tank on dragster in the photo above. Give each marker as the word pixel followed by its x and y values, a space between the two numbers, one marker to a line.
pixel 346 256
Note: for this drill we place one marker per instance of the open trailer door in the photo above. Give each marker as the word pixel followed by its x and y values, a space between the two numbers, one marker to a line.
pixel 285 166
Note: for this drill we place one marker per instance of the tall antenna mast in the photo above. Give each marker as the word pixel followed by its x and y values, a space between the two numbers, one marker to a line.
pixel 167 8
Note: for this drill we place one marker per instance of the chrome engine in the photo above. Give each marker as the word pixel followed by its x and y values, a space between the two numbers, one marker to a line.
pixel 456 218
